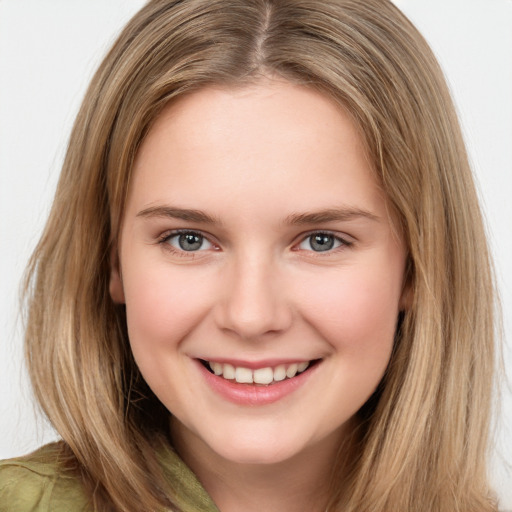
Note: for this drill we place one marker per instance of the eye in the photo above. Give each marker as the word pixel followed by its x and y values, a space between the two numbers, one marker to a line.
pixel 189 241
pixel 321 242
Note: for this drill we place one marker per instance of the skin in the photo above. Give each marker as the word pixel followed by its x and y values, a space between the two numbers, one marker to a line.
pixel 257 160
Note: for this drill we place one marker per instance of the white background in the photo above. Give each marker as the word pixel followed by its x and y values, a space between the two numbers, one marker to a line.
pixel 48 52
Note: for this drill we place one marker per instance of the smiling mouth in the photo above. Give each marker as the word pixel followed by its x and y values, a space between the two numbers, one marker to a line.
pixel 262 376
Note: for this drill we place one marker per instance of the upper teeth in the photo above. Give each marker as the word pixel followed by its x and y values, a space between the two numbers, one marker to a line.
pixel 259 376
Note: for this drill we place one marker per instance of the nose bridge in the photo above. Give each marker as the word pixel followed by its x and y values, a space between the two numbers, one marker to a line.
pixel 254 302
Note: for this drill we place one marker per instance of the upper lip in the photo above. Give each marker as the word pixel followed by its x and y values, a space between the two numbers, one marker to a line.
pixel 255 365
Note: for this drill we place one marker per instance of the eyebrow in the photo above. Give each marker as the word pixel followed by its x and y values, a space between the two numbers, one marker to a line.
pixel 330 215
pixel 316 217
pixel 186 214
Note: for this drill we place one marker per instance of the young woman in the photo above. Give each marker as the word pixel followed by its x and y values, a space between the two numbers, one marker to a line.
pixel 264 283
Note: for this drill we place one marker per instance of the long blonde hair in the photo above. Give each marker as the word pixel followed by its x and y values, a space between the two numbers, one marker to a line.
pixel 424 435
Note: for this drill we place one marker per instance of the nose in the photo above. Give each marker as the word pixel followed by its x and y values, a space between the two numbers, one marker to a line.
pixel 253 303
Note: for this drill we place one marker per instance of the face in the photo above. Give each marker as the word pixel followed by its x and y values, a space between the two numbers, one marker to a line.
pixel 260 271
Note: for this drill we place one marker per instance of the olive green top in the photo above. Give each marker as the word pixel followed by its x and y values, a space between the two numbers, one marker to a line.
pixel 36 484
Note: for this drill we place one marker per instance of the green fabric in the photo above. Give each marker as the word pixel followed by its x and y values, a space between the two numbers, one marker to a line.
pixel 190 494
pixel 36 484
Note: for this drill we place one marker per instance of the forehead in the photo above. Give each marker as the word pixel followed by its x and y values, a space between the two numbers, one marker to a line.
pixel 272 139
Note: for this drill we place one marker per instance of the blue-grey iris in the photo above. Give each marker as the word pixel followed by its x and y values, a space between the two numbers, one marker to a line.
pixel 190 241
pixel 321 242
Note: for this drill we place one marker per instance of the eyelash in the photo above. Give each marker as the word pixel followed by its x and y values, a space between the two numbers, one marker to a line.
pixel 166 237
pixel 343 243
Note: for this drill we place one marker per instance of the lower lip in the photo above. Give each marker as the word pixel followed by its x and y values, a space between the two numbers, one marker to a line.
pixel 252 394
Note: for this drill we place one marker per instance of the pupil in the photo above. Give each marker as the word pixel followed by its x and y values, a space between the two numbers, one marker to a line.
pixel 190 241
pixel 322 242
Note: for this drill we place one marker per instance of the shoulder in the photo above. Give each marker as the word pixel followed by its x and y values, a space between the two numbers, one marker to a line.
pixel 38 483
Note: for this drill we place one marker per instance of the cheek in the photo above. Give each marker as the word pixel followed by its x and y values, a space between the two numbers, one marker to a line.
pixel 163 304
pixel 356 311
pixel 162 307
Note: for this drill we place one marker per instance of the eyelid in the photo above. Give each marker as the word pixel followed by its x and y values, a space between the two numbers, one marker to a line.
pixel 345 241
pixel 164 238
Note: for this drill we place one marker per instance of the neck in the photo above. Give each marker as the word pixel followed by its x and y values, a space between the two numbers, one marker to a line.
pixel 299 484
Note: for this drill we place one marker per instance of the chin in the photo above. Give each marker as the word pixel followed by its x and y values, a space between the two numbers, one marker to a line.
pixel 257 456
pixel 258 449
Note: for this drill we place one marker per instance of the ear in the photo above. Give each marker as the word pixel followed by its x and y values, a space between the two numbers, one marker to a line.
pixel 116 281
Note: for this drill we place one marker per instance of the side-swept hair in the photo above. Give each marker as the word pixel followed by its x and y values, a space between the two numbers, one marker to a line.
pixel 424 435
